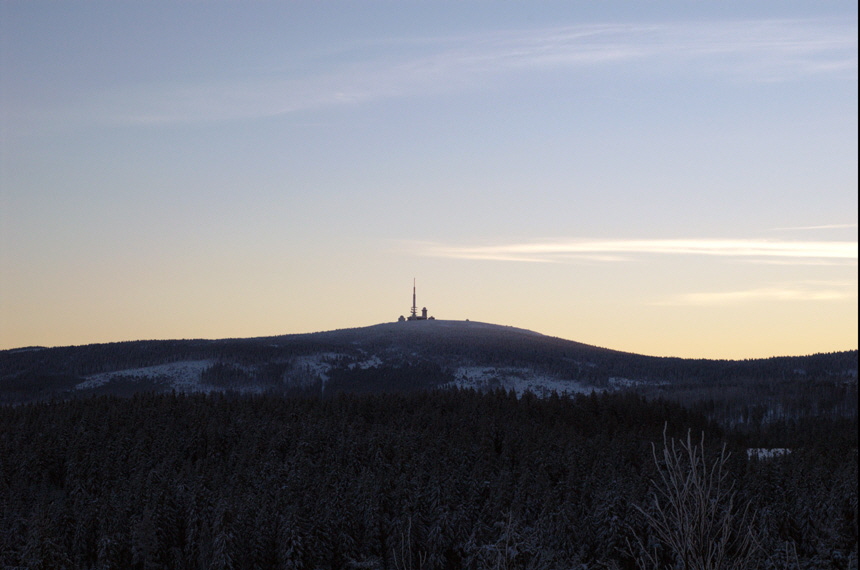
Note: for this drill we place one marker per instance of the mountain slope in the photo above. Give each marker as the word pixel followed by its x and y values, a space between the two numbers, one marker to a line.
pixel 414 355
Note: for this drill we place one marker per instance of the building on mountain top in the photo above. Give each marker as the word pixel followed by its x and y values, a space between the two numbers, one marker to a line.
pixel 413 313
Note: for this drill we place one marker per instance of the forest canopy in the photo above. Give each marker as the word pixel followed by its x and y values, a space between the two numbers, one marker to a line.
pixel 432 479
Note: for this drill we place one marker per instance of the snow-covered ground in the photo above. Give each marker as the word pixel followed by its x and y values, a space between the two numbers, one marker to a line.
pixel 766 453
pixel 622 382
pixel 368 362
pixel 520 380
pixel 309 368
pixel 183 376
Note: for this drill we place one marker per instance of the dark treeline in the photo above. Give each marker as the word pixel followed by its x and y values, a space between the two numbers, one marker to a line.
pixel 742 394
pixel 97 358
pixel 438 479
pixel 748 403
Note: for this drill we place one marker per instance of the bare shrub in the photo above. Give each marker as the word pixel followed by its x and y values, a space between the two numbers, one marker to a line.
pixel 694 520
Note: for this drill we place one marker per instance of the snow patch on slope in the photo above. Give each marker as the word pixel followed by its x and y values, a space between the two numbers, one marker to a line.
pixel 520 380
pixel 309 368
pixel 620 383
pixel 369 362
pixel 766 453
pixel 183 376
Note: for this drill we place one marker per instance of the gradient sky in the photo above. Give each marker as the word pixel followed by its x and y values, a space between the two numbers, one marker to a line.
pixel 667 178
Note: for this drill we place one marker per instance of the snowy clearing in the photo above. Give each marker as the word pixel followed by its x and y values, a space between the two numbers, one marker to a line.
pixel 183 376
pixel 369 362
pixel 306 369
pixel 766 453
pixel 520 380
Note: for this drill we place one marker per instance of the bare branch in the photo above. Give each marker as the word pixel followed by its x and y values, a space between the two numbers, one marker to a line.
pixel 694 518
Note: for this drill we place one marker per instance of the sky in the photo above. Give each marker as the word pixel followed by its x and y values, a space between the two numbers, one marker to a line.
pixel 671 178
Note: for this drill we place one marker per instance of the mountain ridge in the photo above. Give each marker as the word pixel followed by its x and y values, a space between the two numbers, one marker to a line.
pixel 429 323
pixel 419 355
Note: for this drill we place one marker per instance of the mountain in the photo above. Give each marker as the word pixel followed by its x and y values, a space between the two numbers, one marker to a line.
pixel 415 355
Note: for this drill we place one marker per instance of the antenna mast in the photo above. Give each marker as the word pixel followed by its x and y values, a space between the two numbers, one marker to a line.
pixel 414 306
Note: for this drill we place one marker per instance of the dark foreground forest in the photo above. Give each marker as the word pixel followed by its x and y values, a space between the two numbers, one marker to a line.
pixel 448 479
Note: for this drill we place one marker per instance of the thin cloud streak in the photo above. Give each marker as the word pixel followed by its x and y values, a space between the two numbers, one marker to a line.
pixel 825 227
pixel 770 50
pixel 827 292
pixel 620 250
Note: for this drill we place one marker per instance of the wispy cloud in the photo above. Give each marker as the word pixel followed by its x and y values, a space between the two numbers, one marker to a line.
pixel 836 291
pixel 770 50
pixel 759 49
pixel 619 250
pixel 825 227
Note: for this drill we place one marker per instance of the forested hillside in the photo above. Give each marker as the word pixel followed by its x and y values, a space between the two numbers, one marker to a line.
pixel 421 445
pixel 431 479
pixel 402 357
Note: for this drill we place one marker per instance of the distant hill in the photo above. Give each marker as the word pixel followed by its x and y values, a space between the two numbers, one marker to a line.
pixel 432 354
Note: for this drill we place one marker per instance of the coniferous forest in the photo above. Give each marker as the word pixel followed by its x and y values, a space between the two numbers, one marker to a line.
pixel 430 479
